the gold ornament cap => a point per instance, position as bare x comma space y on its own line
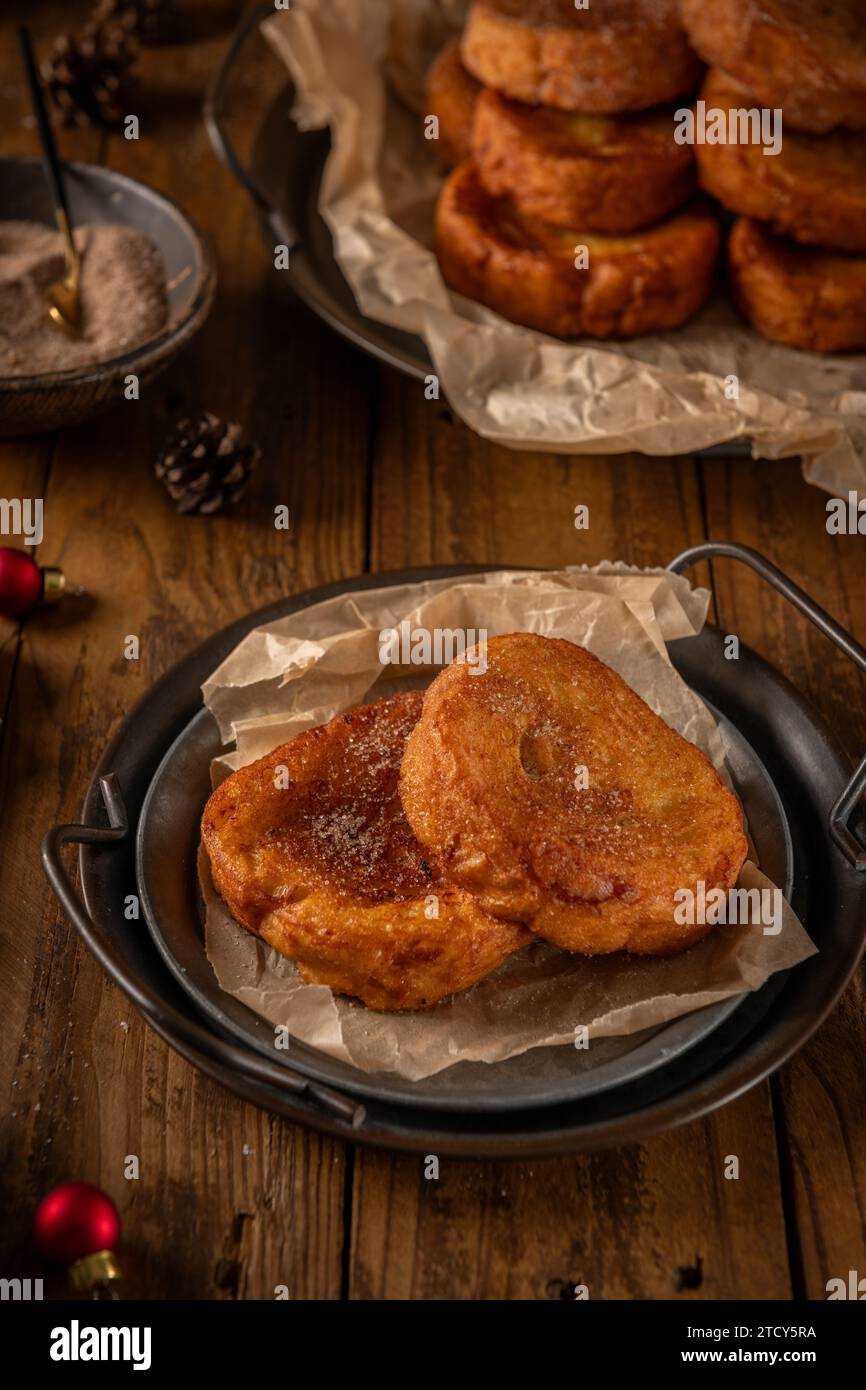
99, 1268
53, 587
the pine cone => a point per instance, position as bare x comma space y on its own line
205, 464
148, 21
89, 75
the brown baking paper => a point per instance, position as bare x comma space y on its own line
289, 675
358, 67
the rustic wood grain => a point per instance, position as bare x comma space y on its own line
233, 1202
441, 495
230, 1202
822, 1092
24, 463
23, 470
655, 1220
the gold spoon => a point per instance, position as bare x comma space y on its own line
64, 297
64, 300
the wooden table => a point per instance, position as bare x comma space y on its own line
231, 1201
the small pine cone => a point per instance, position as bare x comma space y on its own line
205, 464
89, 75
148, 21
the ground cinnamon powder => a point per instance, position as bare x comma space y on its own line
123, 296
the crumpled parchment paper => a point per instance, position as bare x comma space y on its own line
358, 66
289, 675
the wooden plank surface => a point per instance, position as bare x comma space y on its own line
822, 1093
230, 1202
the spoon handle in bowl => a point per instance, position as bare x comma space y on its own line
50, 158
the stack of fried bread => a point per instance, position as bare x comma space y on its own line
402, 851
571, 209
797, 251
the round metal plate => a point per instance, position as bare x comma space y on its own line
804, 765
166, 850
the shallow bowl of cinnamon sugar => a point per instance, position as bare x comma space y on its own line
144, 256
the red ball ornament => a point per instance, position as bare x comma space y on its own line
78, 1226
23, 584
75, 1220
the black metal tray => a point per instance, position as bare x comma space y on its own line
283, 182
802, 812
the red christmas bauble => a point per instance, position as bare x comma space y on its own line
75, 1220
20, 582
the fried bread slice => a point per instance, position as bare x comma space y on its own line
609, 174
550, 790
813, 190
569, 283
310, 849
622, 55
451, 94
808, 60
809, 299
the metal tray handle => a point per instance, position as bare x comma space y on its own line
853, 849
192, 1034
219, 137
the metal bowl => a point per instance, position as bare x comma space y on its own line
51, 400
